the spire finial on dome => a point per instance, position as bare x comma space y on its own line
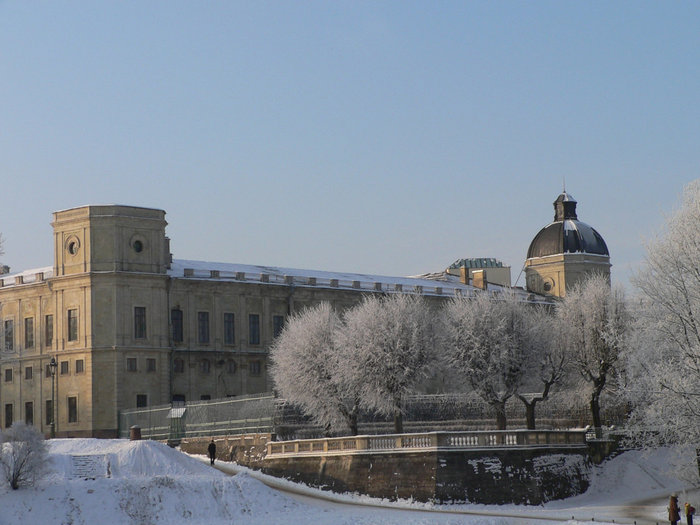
565, 207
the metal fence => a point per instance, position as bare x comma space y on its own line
239, 415
266, 414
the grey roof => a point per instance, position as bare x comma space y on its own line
566, 234
483, 262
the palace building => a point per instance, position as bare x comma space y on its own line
117, 323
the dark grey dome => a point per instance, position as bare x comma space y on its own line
566, 234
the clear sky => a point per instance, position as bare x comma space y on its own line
379, 137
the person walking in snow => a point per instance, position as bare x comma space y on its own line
689, 512
212, 451
674, 512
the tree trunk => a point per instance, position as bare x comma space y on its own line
398, 421
398, 417
352, 423
500, 408
595, 412
530, 414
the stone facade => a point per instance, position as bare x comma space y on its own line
129, 327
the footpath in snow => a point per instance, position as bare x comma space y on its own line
91, 481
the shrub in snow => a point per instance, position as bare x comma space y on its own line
23, 454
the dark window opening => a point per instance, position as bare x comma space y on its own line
72, 409
229, 329
9, 336
139, 322
141, 400
254, 329
29, 332
203, 327
176, 321
72, 325
48, 330
29, 413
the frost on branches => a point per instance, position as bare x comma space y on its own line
485, 339
393, 340
664, 384
310, 370
23, 454
594, 326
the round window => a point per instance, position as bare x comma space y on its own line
138, 246
73, 245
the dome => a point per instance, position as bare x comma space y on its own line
566, 234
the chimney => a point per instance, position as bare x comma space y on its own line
479, 279
464, 274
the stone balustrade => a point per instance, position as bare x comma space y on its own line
507, 439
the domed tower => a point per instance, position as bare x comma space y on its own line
564, 252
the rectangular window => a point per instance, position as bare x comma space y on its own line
204, 397
72, 409
178, 399
29, 413
150, 365
254, 329
277, 325
139, 322
205, 366
73, 325
176, 321
229, 330
49, 411
131, 364
8, 415
28, 332
8, 375
254, 368
79, 366
203, 327
47, 372
9, 335
28, 372
48, 330
64, 368
141, 400
179, 366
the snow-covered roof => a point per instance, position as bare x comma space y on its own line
432, 284
26, 276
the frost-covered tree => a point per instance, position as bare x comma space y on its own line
545, 359
392, 338
484, 338
665, 379
310, 370
594, 324
23, 454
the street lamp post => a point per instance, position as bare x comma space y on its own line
52, 366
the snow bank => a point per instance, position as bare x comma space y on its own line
148, 483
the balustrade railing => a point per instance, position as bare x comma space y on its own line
431, 441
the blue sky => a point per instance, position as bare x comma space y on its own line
379, 137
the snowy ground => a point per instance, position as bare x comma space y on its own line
150, 483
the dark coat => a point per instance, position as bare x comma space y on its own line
674, 513
211, 449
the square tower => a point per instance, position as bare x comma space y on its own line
110, 238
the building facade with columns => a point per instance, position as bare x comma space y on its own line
127, 326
